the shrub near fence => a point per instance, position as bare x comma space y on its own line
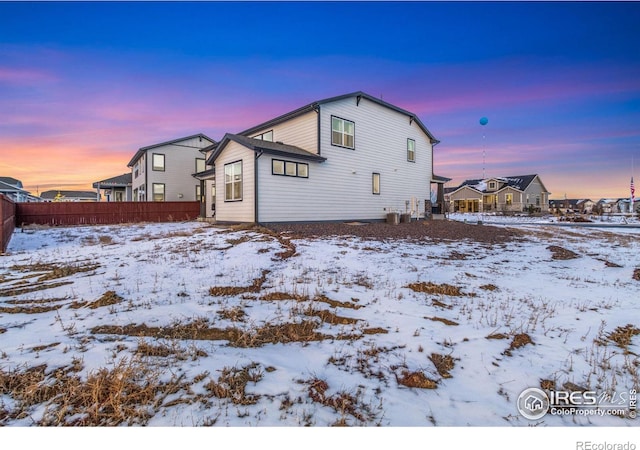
104, 213
7, 221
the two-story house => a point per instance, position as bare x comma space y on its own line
500, 194
164, 172
351, 157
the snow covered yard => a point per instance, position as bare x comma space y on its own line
187, 324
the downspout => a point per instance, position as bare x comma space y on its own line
146, 179
255, 187
317, 110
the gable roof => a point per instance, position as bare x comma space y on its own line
11, 182
272, 148
519, 182
121, 180
68, 194
142, 150
314, 107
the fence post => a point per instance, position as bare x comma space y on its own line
7, 221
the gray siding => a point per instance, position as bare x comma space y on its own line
341, 187
180, 165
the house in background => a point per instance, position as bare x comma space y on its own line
14, 190
69, 196
164, 172
571, 205
115, 189
500, 194
351, 157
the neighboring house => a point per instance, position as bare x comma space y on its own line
582, 206
164, 172
116, 189
607, 206
500, 194
13, 189
351, 157
69, 196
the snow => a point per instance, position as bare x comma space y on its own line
164, 273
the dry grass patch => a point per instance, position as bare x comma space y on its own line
548, 385
255, 287
443, 320
13, 292
622, 335
561, 253
438, 289
128, 393
107, 299
443, 363
416, 380
39, 348
439, 304
636, 275
235, 314
276, 296
329, 317
54, 271
36, 302
33, 309
232, 384
497, 336
343, 402
489, 287
519, 340
336, 303
304, 331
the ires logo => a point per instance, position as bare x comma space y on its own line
535, 403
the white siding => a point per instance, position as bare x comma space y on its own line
300, 131
341, 187
236, 211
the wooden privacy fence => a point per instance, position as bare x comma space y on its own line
7, 221
104, 213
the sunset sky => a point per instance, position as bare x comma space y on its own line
83, 85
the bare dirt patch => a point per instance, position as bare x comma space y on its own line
443, 320
636, 275
255, 287
438, 230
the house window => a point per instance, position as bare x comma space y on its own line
375, 184
198, 193
158, 162
233, 181
289, 168
200, 165
266, 136
508, 199
492, 185
277, 167
342, 132
158, 192
537, 200
411, 150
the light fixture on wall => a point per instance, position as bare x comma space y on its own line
180, 195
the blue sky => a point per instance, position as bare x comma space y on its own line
558, 81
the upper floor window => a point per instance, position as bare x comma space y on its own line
342, 132
233, 181
266, 136
411, 150
200, 165
492, 185
158, 161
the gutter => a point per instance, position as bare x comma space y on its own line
255, 186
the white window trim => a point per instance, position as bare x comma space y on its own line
343, 133
232, 182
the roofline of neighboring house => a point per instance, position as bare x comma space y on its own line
258, 145
314, 107
142, 150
